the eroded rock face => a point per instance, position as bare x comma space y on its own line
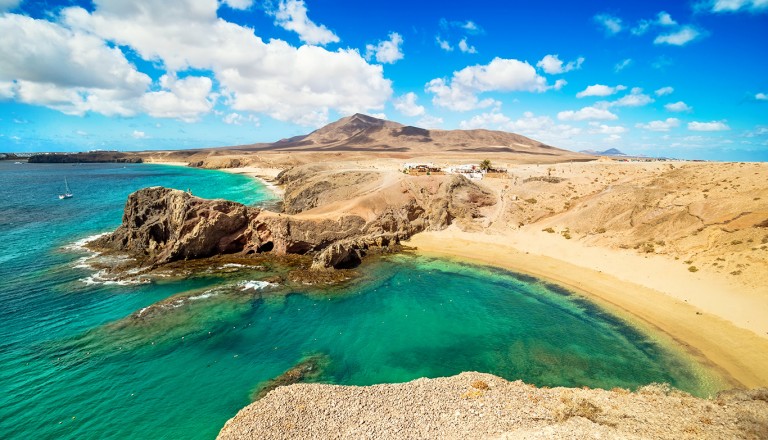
167, 225
161, 225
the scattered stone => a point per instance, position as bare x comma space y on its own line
435, 409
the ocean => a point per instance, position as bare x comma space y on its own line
73, 365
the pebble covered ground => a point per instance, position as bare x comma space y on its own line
477, 405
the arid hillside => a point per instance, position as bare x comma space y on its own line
711, 216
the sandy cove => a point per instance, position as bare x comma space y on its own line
265, 175
704, 325
717, 318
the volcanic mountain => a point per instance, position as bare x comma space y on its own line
609, 152
365, 133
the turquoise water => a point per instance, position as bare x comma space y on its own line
73, 366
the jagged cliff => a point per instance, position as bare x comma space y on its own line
161, 225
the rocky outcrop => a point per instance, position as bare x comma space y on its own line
161, 225
166, 225
475, 405
340, 255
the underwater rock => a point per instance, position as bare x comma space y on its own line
307, 370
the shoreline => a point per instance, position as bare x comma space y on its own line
171, 163
735, 351
739, 355
264, 175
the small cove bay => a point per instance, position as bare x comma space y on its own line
75, 365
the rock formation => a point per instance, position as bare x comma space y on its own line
161, 225
167, 225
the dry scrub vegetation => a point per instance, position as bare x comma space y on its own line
712, 215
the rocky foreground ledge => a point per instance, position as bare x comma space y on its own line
476, 405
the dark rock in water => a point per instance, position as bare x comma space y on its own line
169, 225
307, 370
340, 255
89, 157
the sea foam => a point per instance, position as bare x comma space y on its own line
255, 285
79, 245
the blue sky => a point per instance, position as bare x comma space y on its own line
685, 79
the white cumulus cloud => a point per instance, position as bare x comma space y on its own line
239, 4
406, 105
292, 15
586, 113
444, 44
662, 19
471, 26
553, 65
623, 64
708, 126
7, 90
490, 120
138, 134
636, 98
297, 84
678, 106
665, 125
429, 121
664, 91
600, 90
542, 128
7, 5
387, 51
238, 119
680, 37
761, 97
501, 75
598, 128
612, 25
53, 66
185, 99
465, 47
723, 6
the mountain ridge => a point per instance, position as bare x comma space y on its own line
360, 132
608, 152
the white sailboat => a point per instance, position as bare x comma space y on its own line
67, 193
